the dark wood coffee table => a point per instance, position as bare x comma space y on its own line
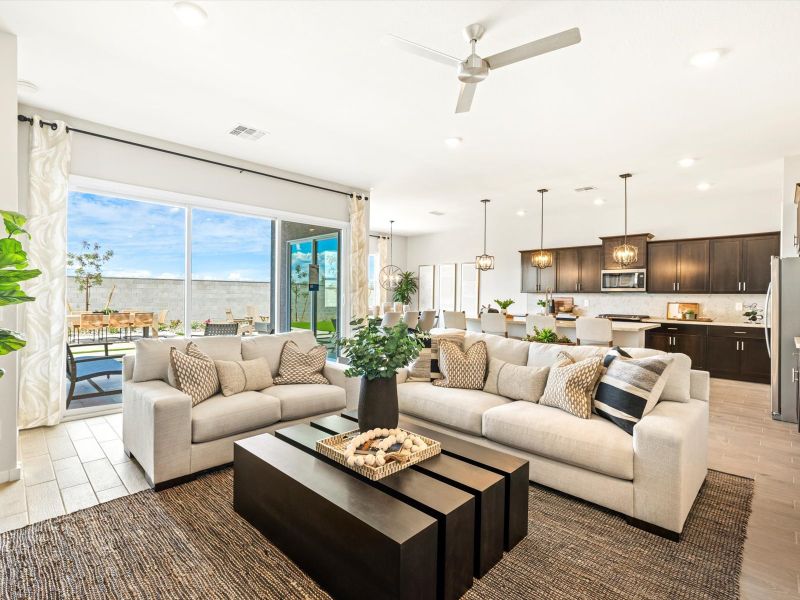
298, 498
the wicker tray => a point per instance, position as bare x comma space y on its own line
334, 447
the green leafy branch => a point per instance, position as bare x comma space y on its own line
377, 352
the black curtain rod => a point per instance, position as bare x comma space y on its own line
54, 126
380, 237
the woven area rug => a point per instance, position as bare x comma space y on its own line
187, 542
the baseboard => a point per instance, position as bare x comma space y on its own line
14, 474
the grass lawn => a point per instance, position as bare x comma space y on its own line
321, 326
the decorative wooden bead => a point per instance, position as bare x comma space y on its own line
351, 460
369, 459
407, 443
380, 461
385, 432
415, 449
359, 461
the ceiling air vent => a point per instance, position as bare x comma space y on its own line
247, 133
436, 213
586, 188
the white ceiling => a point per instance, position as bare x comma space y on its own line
341, 105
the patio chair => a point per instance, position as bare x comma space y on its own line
121, 321
143, 321
89, 368
160, 319
222, 329
245, 323
94, 322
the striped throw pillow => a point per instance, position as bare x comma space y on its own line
426, 366
630, 388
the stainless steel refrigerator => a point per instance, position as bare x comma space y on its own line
782, 323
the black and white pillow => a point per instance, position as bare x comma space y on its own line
630, 388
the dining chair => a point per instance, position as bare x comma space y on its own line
386, 307
94, 322
454, 319
427, 320
592, 331
221, 329
122, 322
411, 317
494, 323
398, 307
539, 322
143, 321
391, 318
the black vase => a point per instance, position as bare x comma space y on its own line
377, 403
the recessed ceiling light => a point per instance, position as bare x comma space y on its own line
686, 162
599, 201
703, 186
26, 87
453, 142
190, 14
707, 58
520, 213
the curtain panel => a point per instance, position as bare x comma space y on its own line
42, 361
359, 252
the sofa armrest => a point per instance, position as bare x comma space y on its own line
402, 375
699, 385
334, 372
128, 361
670, 462
157, 428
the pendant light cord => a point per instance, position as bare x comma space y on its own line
625, 180
391, 242
541, 228
484, 225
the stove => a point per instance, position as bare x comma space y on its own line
632, 318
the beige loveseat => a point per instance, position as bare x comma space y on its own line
170, 439
651, 477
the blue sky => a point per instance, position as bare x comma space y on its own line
148, 239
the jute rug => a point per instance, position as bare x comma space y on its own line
187, 542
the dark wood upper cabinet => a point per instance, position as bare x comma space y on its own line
693, 261
756, 255
662, 267
797, 223
536, 280
725, 265
568, 271
638, 240
591, 263
547, 277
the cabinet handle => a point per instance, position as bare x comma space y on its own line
737, 345
678, 286
673, 286
739, 286
744, 286
672, 329
740, 332
741, 346
795, 375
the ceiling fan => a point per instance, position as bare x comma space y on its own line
474, 69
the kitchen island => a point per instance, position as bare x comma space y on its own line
625, 333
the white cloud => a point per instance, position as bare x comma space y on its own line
234, 276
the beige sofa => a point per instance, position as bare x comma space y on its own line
170, 439
651, 477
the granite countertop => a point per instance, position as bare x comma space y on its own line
717, 323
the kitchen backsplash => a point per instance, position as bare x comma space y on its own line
719, 307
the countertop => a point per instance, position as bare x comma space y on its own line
565, 324
717, 323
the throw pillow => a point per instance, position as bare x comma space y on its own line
630, 388
515, 381
301, 367
464, 370
243, 375
426, 366
195, 374
570, 384
615, 352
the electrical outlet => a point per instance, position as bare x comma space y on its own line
585, 302
739, 307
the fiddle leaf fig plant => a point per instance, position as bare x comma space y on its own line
377, 352
13, 270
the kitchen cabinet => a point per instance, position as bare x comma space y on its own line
638, 240
591, 263
578, 269
738, 353
678, 266
536, 280
686, 339
741, 264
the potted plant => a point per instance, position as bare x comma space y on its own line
374, 354
548, 336
13, 269
504, 304
406, 288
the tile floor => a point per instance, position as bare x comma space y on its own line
66, 468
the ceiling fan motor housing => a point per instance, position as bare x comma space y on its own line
473, 70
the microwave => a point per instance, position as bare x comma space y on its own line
623, 280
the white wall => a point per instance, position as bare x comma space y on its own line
8, 201
791, 177
399, 249
506, 236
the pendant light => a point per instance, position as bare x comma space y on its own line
626, 254
542, 259
389, 276
484, 262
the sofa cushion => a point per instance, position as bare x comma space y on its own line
677, 388
152, 355
237, 376
221, 416
271, 346
507, 349
459, 409
307, 399
594, 443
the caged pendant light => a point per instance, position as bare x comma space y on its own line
389, 276
484, 262
542, 259
626, 254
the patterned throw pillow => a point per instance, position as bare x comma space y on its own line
570, 384
426, 366
464, 370
195, 373
630, 388
301, 367
243, 375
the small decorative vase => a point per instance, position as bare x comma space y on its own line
377, 404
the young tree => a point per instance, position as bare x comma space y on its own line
299, 286
88, 266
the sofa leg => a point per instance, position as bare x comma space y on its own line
654, 529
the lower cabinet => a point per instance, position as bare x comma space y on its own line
726, 352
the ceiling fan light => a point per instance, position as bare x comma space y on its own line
542, 259
625, 255
484, 262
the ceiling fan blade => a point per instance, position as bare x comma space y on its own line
423, 51
465, 97
531, 49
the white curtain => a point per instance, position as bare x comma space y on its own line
359, 251
42, 361
383, 254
